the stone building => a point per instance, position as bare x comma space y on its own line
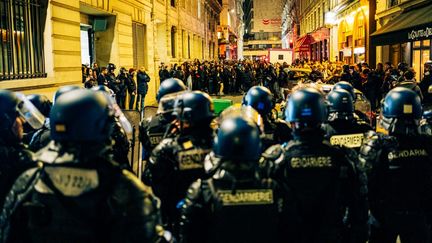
45, 42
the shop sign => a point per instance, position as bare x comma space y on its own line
424, 33
347, 52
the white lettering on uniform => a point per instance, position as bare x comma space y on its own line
407, 154
70, 181
311, 162
246, 197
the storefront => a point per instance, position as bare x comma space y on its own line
406, 38
320, 44
302, 48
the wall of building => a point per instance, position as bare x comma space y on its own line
115, 45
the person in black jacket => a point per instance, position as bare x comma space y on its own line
131, 87
142, 80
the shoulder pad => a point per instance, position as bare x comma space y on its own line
273, 153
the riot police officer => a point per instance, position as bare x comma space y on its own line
321, 179
399, 171
15, 110
178, 161
341, 127
76, 193
275, 131
153, 129
119, 140
235, 204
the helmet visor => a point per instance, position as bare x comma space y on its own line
118, 113
29, 112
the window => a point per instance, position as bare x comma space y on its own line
393, 3
280, 57
173, 41
173, 3
139, 45
199, 8
21, 39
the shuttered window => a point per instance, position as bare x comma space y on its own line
139, 45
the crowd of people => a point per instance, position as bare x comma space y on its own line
319, 174
127, 83
236, 77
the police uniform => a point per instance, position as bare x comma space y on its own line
65, 200
325, 184
399, 172
76, 193
152, 131
216, 210
178, 161
174, 164
235, 204
329, 193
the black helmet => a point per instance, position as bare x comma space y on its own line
346, 86
111, 67
340, 104
63, 90
13, 105
42, 103
169, 86
402, 66
194, 107
81, 116
259, 98
402, 103
238, 139
401, 111
307, 107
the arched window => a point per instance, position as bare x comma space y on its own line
342, 34
360, 29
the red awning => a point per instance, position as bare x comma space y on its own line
303, 43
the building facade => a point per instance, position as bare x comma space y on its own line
230, 29
262, 21
404, 33
335, 30
45, 42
